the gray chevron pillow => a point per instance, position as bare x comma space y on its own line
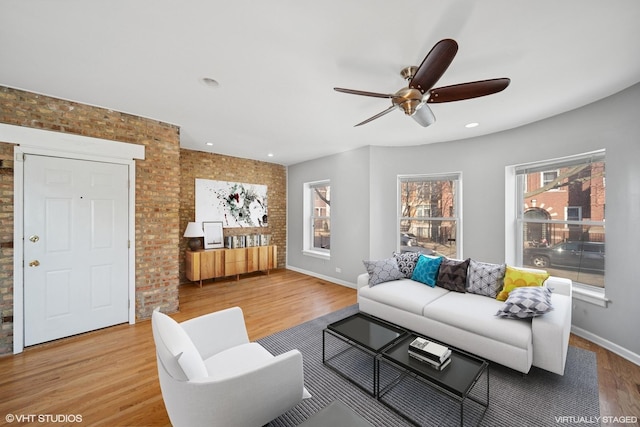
526, 302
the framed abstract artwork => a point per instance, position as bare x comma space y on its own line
235, 204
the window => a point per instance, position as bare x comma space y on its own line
549, 177
561, 221
317, 221
428, 215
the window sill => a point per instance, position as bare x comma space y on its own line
591, 296
317, 254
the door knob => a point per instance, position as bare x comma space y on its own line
34, 263
34, 238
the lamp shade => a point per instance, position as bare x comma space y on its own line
194, 229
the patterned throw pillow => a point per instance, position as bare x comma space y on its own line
383, 271
526, 302
485, 278
407, 262
517, 278
452, 274
426, 270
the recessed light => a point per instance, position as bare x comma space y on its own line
209, 144
471, 125
210, 82
270, 155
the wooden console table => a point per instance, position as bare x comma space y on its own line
211, 263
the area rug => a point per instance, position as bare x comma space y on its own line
539, 398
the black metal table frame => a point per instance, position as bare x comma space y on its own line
417, 375
355, 344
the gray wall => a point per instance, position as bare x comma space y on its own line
612, 123
349, 176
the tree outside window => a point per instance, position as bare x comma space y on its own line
428, 220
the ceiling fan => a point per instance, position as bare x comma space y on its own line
414, 98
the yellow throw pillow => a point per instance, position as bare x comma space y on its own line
517, 278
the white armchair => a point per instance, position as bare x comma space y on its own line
210, 374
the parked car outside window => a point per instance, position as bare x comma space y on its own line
582, 255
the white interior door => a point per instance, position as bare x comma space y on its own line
75, 246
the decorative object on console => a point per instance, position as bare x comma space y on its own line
194, 232
213, 237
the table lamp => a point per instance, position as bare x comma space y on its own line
194, 232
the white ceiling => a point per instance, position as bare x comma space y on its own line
278, 61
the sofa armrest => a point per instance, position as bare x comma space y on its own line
560, 285
550, 335
363, 280
217, 331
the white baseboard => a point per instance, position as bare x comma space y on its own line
604, 343
323, 277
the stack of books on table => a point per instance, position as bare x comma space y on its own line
436, 355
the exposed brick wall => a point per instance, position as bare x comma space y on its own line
6, 250
197, 164
158, 226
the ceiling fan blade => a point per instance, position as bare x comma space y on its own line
468, 90
388, 110
424, 116
363, 93
434, 65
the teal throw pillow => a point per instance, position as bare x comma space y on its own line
426, 270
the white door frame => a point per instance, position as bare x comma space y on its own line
56, 144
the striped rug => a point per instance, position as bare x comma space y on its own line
537, 399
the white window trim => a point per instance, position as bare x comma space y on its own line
307, 229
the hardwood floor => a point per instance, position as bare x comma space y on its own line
109, 377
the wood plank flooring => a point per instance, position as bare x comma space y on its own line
109, 377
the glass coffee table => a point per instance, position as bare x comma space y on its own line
460, 381
360, 338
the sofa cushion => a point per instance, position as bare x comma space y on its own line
404, 294
452, 274
526, 302
476, 314
485, 278
175, 349
406, 262
520, 277
426, 270
383, 271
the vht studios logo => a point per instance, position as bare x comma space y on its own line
43, 418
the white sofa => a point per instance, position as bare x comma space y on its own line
468, 321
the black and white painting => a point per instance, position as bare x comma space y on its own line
234, 204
